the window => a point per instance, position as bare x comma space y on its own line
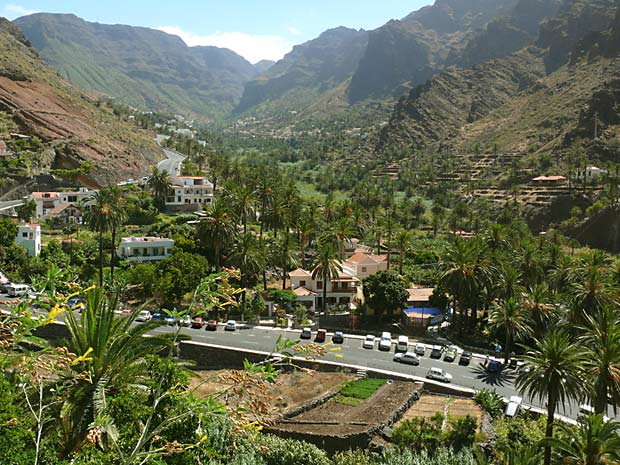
25, 235
364, 270
302, 283
319, 284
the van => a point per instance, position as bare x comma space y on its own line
18, 290
402, 345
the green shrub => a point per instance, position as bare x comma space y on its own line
490, 402
419, 433
277, 451
461, 432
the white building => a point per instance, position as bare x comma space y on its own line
345, 290
29, 235
139, 249
190, 192
48, 201
591, 172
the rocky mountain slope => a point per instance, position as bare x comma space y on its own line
532, 101
72, 126
387, 62
309, 70
143, 67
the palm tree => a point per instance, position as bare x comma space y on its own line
241, 199
284, 255
596, 442
160, 184
540, 312
556, 375
601, 342
509, 316
217, 229
465, 273
402, 242
342, 231
97, 218
112, 352
327, 269
117, 217
247, 255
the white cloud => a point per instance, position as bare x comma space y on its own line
15, 11
252, 47
293, 31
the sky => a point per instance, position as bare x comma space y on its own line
255, 29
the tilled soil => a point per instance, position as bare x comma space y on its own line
334, 418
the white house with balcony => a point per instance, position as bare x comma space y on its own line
340, 291
46, 202
141, 249
190, 192
29, 235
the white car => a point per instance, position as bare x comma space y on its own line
369, 342
306, 333
439, 375
420, 349
231, 325
385, 343
513, 406
186, 321
408, 357
144, 316
402, 345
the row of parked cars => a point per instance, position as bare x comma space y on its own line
186, 321
321, 335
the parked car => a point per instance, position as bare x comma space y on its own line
231, 325
439, 375
144, 316
409, 358
420, 349
306, 333
4, 287
450, 355
198, 322
437, 351
494, 366
185, 321
18, 290
157, 316
212, 325
385, 343
402, 344
338, 337
465, 358
369, 342
321, 334
170, 320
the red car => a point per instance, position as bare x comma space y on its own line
198, 323
211, 325
320, 335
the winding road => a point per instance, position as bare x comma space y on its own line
172, 164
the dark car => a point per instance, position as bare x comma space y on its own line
211, 325
321, 334
198, 323
338, 337
159, 317
437, 352
465, 358
493, 366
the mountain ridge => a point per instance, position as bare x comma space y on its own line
144, 67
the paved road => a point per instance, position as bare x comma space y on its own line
172, 164
351, 352
10, 204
